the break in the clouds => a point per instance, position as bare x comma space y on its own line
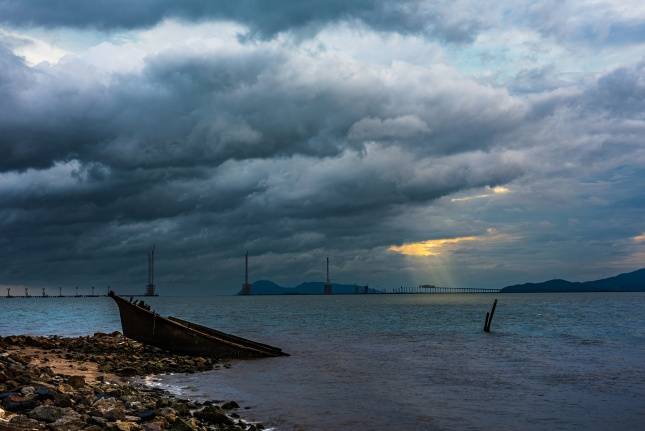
444, 142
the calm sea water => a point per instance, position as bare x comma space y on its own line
405, 362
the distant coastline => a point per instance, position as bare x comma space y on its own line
628, 282
268, 287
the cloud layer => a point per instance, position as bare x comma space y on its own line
339, 142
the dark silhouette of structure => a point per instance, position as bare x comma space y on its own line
489, 317
27, 295
9, 292
44, 294
327, 289
150, 287
246, 287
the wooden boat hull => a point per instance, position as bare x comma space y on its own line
180, 336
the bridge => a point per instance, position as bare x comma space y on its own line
428, 289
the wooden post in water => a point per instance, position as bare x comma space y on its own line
489, 317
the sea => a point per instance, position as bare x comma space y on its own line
566, 361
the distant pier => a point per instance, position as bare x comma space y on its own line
91, 292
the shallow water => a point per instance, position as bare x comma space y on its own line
405, 362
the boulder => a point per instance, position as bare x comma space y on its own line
76, 381
230, 405
62, 400
146, 415
109, 408
154, 426
28, 390
23, 422
65, 388
127, 426
47, 413
183, 425
213, 415
69, 422
168, 413
18, 403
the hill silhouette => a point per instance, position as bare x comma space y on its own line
268, 287
628, 282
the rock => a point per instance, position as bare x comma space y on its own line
167, 412
47, 413
2, 414
183, 425
19, 422
128, 371
127, 426
76, 381
62, 400
98, 420
47, 392
146, 415
65, 388
230, 405
71, 422
154, 426
213, 415
109, 408
181, 408
28, 390
18, 403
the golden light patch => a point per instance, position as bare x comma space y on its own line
640, 238
497, 190
431, 247
500, 190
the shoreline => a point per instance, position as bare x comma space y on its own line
87, 383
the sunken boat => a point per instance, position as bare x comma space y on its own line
176, 335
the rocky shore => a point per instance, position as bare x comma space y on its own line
86, 383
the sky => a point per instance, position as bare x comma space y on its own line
465, 143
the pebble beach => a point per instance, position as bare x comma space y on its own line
92, 383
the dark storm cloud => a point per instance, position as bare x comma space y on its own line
210, 154
265, 18
188, 111
207, 155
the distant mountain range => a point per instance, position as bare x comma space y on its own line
629, 282
267, 287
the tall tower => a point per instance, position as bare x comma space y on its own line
327, 289
150, 287
8, 292
246, 287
